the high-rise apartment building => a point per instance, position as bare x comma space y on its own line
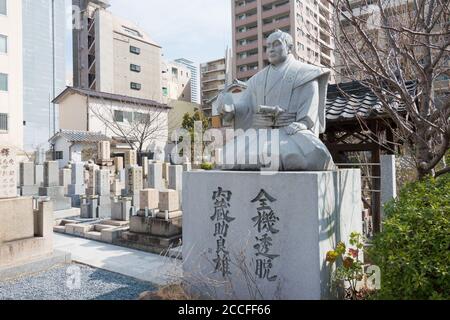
113, 55
11, 73
195, 79
32, 70
307, 21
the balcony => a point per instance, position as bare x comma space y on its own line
280, 24
247, 60
276, 11
246, 8
215, 68
247, 47
247, 20
220, 77
249, 33
246, 74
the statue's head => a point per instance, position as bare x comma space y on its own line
279, 45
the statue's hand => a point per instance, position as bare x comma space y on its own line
295, 127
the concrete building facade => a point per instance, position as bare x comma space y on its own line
307, 21
114, 55
11, 74
176, 82
44, 68
195, 79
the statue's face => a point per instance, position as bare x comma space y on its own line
277, 51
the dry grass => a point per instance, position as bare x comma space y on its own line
169, 292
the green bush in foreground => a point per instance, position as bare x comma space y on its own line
413, 251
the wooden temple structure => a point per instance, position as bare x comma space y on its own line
358, 133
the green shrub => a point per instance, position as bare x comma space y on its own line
207, 166
413, 251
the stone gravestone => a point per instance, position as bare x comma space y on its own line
103, 190
8, 174
65, 178
39, 159
176, 179
130, 158
77, 187
134, 184
104, 151
154, 178
52, 188
118, 164
27, 183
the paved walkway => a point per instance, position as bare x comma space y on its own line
137, 264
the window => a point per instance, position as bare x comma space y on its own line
3, 9
3, 122
118, 116
135, 68
3, 44
59, 155
135, 86
165, 92
135, 50
128, 116
3, 82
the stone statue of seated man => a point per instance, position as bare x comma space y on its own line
287, 96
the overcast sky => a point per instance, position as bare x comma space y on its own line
199, 30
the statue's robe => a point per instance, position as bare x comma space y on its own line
301, 90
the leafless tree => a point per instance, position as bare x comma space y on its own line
386, 44
138, 125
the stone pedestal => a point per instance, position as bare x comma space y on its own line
273, 229
121, 209
25, 234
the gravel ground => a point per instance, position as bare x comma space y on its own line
60, 283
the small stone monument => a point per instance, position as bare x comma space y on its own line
77, 187
28, 186
8, 175
52, 188
130, 158
134, 184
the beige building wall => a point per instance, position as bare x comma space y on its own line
306, 21
73, 113
11, 64
112, 65
179, 109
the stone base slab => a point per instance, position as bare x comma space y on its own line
274, 229
34, 266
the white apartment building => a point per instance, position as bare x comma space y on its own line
11, 74
176, 81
